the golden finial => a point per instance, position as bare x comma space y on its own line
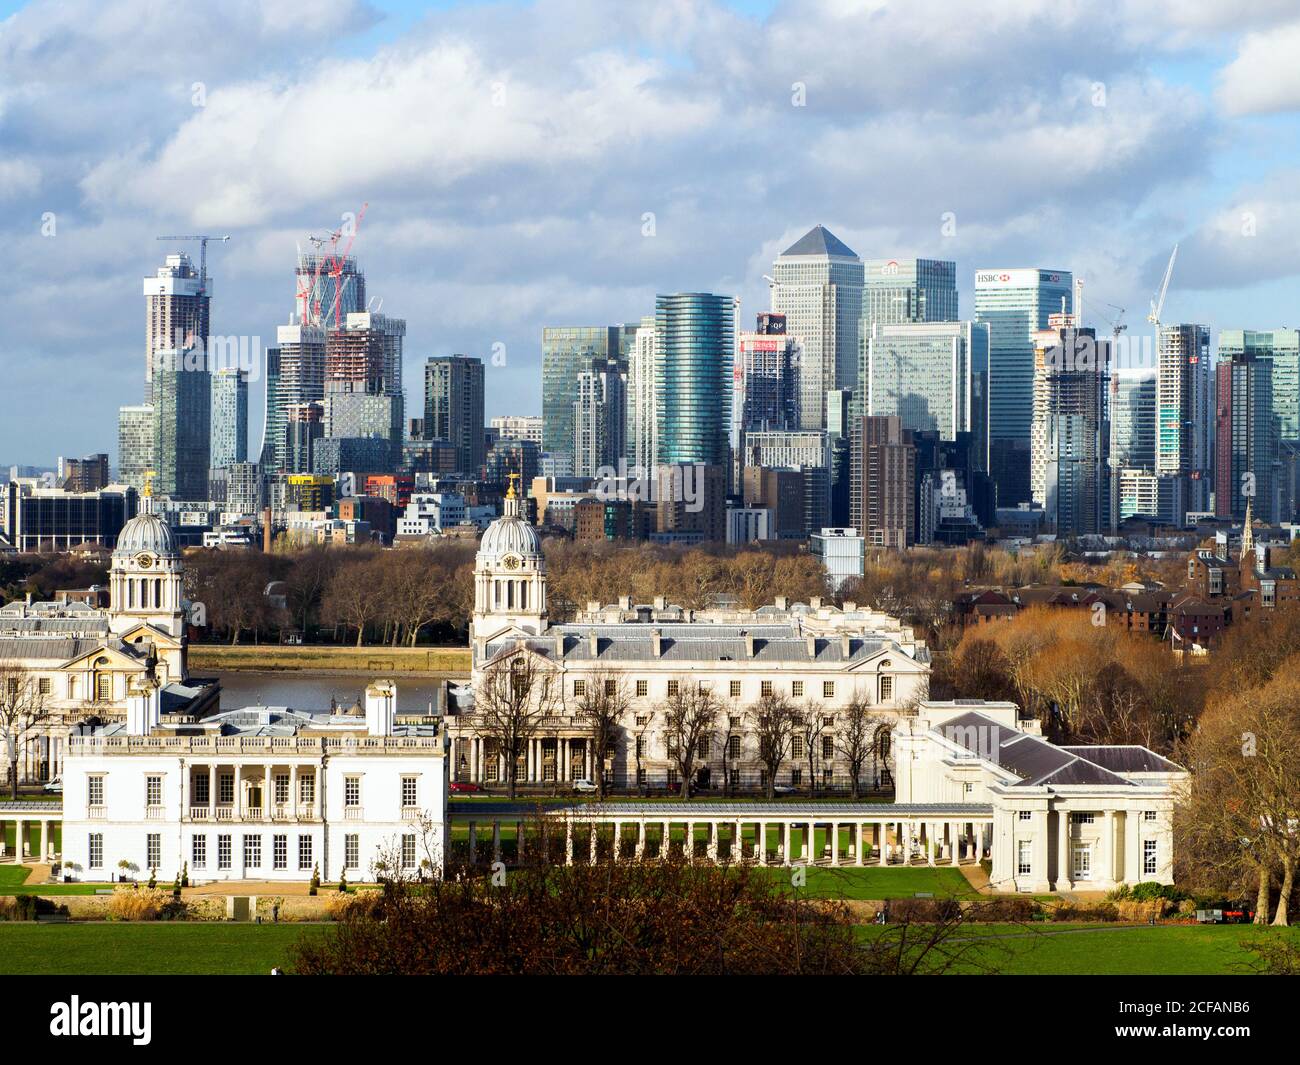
148, 484
512, 477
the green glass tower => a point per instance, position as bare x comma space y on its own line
695, 350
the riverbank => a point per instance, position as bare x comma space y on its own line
375, 661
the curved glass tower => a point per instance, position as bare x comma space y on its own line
695, 339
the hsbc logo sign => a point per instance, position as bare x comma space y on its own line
992, 279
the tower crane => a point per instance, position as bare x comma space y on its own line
1158, 304
203, 239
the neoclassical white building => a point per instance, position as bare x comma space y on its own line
820, 656
82, 661
262, 793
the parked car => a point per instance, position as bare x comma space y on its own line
782, 789
464, 787
54, 785
584, 785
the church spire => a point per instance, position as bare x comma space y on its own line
1248, 533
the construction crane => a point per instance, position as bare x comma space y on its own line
203, 239
1158, 304
331, 263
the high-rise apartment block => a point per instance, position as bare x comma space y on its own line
1246, 438
887, 514
694, 356
229, 432
453, 408
1184, 418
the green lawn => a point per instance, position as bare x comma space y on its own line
125, 949
897, 883
14, 881
33, 837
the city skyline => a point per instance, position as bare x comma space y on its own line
1203, 147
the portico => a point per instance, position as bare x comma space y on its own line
34, 830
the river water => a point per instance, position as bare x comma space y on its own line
313, 691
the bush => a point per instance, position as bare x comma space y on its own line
1149, 889
1142, 909
343, 884
924, 911
314, 887
140, 904
1003, 910
1102, 911
28, 908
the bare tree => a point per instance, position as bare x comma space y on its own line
643, 723
354, 597
515, 695
855, 733
603, 704
811, 727
22, 709
690, 715
774, 721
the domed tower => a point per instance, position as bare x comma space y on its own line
509, 575
146, 576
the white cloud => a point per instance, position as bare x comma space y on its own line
1265, 76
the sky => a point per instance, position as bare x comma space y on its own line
560, 162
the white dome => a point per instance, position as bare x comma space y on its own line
510, 535
146, 533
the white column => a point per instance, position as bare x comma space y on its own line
1133, 872
1064, 873
640, 838
212, 792
835, 842
568, 842
595, 831
45, 839
761, 843
20, 840
1108, 838
882, 839
666, 845
266, 792
237, 811
473, 842
738, 843
714, 832
861, 827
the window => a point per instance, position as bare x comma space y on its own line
307, 789
642, 720
733, 747
829, 721
1083, 862
409, 791
352, 791
153, 791
796, 777
351, 852
765, 688
674, 777
642, 688
968, 788
202, 792
95, 791
672, 687
153, 850
702, 747
579, 687
796, 688
611, 687
1148, 857
1025, 858
796, 746
828, 689
408, 852
226, 788
95, 851
886, 689
252, 852
1026, 815
199, 852
734, 689
104, 687
281, 789
280, 852
1148, 815
304, 852
223, 852
43, 686
828, 746
1082, 817
640, 746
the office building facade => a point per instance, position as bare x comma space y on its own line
453, 408
695, 353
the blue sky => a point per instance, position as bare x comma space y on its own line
493, 213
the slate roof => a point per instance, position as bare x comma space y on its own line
820, 241
1037, 762
696, 642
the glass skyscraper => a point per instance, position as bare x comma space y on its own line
695, 350
568, 351
1015, 305
229, 417
1282, 348
1133, 419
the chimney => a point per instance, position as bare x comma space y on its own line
381, 708
815, 602
593, 607
660, 602
749, 644
559, 645
782, 603
850, 607
846, 648
143, 709
657, 638
812, 645
593, 643
625, 602
266, 530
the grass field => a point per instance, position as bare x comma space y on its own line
14, 881
232, 949
124, 949
455, 660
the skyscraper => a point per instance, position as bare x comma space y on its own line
1184, 418
134, 445
897, 291
182, 407
1282, 348
271, 452
1015, 305
178, 306
363, 380
767, 376
229, 440
817, 284
887, 513
328, 290
599, 419
694, 355
642, 426
1069, 435
1246, 438
566, 352
453, 408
